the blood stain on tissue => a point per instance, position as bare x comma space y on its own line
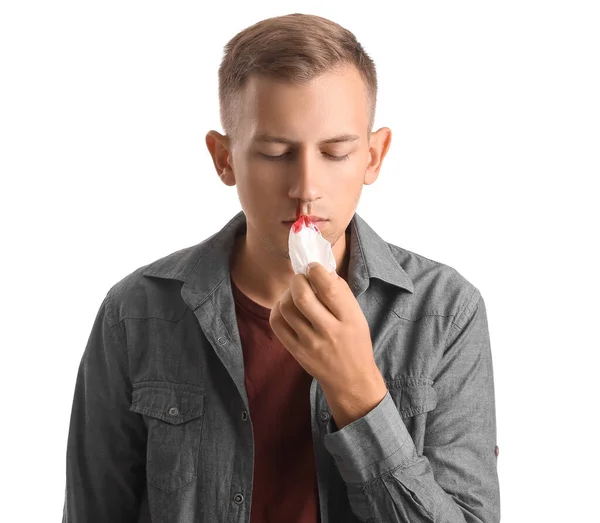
306, 221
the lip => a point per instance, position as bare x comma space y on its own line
315, 219
318, 223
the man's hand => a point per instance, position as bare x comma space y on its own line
327, 333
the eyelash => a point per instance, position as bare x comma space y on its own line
282, 156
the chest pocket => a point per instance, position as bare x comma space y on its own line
414, 398
174, 415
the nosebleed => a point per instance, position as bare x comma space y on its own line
307, 245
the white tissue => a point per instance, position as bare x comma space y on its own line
307, 246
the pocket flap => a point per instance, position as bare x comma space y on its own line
413, 396
416, 399
171, 402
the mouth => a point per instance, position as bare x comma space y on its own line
314, 219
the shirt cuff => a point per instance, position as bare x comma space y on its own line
372, 445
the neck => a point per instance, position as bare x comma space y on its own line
264, 277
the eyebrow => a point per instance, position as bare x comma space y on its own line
267, 138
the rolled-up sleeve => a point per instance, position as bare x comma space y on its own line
105, 462
455, 480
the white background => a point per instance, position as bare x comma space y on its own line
494, 109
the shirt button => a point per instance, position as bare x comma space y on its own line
222, 340
245, 416
173, 411
324, 416
238, 498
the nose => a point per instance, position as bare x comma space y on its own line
306, 182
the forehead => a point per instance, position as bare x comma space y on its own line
331, 108
263, 137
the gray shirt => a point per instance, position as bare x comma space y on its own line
160, 428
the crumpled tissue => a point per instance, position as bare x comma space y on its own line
307, 245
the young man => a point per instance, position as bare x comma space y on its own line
217, 385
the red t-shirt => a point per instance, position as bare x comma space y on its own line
285, 477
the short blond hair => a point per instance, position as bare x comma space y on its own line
295, 48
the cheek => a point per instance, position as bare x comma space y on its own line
261, 200
262, 184
349, 184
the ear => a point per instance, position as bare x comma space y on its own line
219, 148
378, 147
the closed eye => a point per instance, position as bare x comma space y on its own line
283, 156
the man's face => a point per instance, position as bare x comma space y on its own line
277, 180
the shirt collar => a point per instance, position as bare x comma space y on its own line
204, 266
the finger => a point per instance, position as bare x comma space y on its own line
295, 318
331, 291
309, 305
